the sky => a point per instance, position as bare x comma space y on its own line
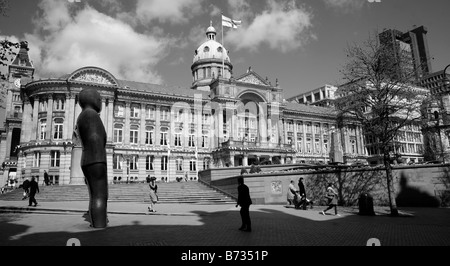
301, 43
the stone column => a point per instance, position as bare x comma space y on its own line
158, 131
26, 120
8, 143
103, 111
69, 116
126, 128
110, 119
49, 118
142, 129
34, 134
220, 127
245, 160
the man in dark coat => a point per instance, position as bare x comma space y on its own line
46, 179
92, 134
26, 188
244, 201
33, 189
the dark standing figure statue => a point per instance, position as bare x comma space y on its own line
93, 158
34, 187
244, 201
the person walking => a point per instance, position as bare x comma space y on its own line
153, 194
302, 191
244, 201
291, 193
46, 179
331, 195
34, 187
26, 188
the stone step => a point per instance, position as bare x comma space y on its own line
183, 192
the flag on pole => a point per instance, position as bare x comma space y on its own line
230, 23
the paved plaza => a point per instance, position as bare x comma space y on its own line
54, 223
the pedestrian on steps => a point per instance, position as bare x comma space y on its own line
153, 194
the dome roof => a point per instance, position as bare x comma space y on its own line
211, 49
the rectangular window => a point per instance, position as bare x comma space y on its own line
55, 158
178, 139
164, 115
149, 137
134, 163
317, 146
300, 127
300, 145
164, 163
43, 129
134, 134
179, 164
193, 165
191, 140
117, 162
134, 111
58, 128
163, 138
150, 112
36, 159
205, 141
119, 110
149, 163
118, 134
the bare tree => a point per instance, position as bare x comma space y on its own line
378, 92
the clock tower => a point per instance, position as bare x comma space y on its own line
20, 72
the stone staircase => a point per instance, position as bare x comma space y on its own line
180, 192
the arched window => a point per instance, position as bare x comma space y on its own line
149, 135
42, 129
58, 128
134, 134
178, 135
163, 133
193, 165
206, 49
191, 138
118, 133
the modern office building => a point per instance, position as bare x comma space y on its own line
410, 49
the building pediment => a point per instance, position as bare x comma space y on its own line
93, 75
252, 78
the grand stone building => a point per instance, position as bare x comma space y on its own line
168, 132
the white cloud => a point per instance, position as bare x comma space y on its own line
171, 11
90, 38
345, 6
281, 26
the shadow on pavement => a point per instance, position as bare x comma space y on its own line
270, 228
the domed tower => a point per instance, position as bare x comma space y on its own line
211, 60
